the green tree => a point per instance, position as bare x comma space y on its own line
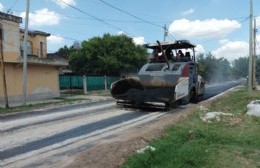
214, 69
65, 51
108, 55
240, 67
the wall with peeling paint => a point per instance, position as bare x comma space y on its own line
11, 41
42, 82
42, 72
36, 38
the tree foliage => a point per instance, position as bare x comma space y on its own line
240, 67
218, 70
108, 55
65, 51
214, 69
115, 55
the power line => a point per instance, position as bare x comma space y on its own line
90, 18
223, 28
115, 20
69, 38
10, 9
65, 37
130, 21
19, 46
206, 34
96, 18
172, 37
121, 10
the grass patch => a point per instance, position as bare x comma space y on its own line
232, 142
22, 108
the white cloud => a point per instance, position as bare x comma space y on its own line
258, 45
121, 33
55, 39
258, 22
63, 3
1, 7
203, 28
199, 49
43, 17
231, 49
138, 40
188, 12
223, 41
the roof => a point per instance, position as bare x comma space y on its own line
178, 44
36, 32
10, 17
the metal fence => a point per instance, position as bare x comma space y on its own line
92, 82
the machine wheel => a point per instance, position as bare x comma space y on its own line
185, 100
167, 106
171, 104
196, 98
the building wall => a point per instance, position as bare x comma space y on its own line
11, 40
35, 42
42, 82
42, 76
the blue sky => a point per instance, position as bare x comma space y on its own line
217, 26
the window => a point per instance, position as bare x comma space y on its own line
41, 49
1, 33
155, 67
176, 67
1, 41
29, 47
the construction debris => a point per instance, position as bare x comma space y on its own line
253, 108
203, 108
141, 151
210, 116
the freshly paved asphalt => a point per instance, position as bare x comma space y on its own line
211, 91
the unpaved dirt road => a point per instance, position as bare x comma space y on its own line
97, 134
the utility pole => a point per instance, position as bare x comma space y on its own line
250, 49
254, 56
25, 52
3, 69
165, 33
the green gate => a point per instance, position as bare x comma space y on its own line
70, 82
64, 82
93, 82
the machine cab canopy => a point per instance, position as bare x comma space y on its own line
176, 45
172, 51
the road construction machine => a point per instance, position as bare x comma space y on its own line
169, 78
